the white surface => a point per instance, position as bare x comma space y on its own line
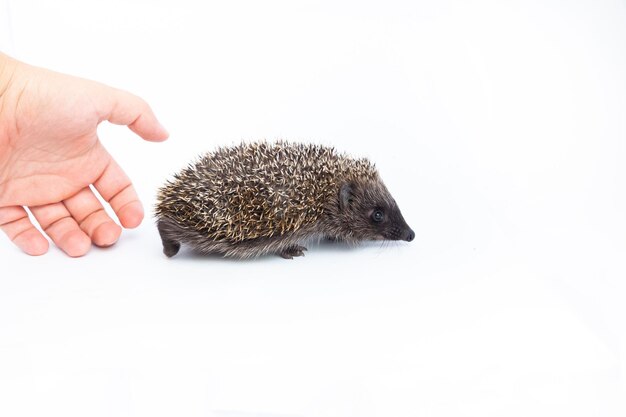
498, 126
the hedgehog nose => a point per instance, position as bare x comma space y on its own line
410, 236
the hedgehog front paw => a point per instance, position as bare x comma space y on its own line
291, 251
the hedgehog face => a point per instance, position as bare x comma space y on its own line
368, 212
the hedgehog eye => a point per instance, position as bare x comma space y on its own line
378, 216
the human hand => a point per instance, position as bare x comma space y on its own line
50, 154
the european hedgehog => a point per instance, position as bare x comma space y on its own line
261, 198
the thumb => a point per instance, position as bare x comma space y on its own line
132, 111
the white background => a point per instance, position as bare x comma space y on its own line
499, 127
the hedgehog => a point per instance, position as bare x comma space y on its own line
262, 198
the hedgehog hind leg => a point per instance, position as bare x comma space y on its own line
171, 246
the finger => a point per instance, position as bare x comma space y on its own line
15, 223
92, 219
132, 111
117, 190
58, 223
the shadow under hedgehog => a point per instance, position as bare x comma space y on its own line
260, 198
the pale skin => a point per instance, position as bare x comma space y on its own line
50, 155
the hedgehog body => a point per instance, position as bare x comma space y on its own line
258, 198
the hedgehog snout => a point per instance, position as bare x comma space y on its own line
402, 232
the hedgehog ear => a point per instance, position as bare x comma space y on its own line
346, 194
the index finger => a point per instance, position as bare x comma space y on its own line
117, 190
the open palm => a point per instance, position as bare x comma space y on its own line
50, 155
